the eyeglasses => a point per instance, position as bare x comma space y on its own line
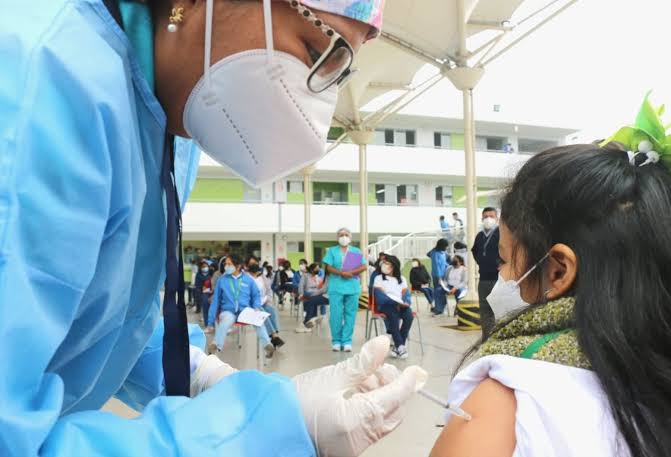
334, 65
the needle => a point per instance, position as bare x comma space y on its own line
453, 409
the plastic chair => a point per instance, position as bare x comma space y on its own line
377, 317
242, 330
416, 294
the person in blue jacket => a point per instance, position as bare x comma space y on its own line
235, 291
91, 94
439, 264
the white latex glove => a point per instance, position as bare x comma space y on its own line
206, 371
351, 405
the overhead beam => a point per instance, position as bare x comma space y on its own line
530, 31
413, 50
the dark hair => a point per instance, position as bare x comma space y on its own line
489, 209
459, 245
303, 261
312, 267
442, 218
250, 258
269, 271
458, 258
235, 259
287, 265
616, 218
442, 245
396, 264
455, 214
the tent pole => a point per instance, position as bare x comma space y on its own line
471, 186
363, 137
363, 206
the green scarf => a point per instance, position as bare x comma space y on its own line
544, 333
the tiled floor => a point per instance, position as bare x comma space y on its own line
443, 349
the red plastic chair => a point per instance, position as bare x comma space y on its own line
377, 317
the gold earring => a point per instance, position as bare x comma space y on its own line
176, 17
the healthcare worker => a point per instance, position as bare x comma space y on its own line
91, 93
344, 288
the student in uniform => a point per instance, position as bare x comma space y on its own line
392, 298
312, 292
235, 291
420, 280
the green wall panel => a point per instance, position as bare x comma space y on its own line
457, 142
217, 190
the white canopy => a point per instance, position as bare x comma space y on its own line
459, 38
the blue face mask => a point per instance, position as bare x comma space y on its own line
229, 270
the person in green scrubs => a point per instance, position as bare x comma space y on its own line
344, 289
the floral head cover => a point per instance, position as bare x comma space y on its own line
367, 11
647, 136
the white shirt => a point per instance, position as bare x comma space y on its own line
391, 287
561, 411
261, 284
455, 277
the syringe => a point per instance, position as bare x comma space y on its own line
445, 404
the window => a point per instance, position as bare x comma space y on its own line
356, 188
495, 144
530, 145
444, 196
441, 140
410, 139
295, 187
389, 137
385, 194
407, 194
330, 192
251, 194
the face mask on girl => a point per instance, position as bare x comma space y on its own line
506, 296
387, 269
229, 270
205, 270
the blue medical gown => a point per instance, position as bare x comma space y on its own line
82, 250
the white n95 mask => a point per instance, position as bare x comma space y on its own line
253, 111
506, 296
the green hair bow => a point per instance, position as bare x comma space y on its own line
647, 135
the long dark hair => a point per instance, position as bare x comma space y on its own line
396, 267
441, 245
617, 219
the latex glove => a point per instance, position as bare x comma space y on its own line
351, 405
206, 371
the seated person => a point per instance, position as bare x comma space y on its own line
311, 291
283, 282
420, 280
272, 323
302, 269
457, 278
235, 291
393, 300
